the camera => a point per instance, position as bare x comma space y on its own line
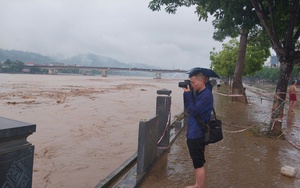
184, 84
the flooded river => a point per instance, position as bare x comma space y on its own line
87, 126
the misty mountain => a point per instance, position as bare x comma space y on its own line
101, 61
94, 61
83, 59
15, 55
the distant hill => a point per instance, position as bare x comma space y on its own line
94, 60
14, 55
83, 59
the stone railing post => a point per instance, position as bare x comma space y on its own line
163, 111
16, 154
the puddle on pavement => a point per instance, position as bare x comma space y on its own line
242, 159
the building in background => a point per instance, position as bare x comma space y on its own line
274, 61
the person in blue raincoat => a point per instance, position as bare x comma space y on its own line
198, 100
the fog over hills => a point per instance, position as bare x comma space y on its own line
93, 61
14, 55
82, 59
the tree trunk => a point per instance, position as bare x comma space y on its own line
288, 57
285, 71
237, 85
228, 81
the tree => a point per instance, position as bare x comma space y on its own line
281, 20
223, 62
12, 67
17, 66
232, 19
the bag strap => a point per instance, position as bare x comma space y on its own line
200, 122
215, 114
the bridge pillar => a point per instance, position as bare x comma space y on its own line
104, 73
52, 71
158, 75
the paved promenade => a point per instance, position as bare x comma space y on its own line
243, 159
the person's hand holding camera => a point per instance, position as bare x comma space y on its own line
187, 89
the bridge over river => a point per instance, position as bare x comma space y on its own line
54, 69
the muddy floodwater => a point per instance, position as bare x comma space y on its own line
87, 126
243, 159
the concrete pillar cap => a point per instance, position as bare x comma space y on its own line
164, 92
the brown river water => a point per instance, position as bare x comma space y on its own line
87, 126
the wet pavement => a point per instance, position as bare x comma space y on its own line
243, 159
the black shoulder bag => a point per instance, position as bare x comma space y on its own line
213, 129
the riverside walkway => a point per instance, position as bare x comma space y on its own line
243, 159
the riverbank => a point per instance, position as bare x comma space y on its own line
243, 158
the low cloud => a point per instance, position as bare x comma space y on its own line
124, 30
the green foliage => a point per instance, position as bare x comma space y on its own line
9, 66
171, 5
231, 17
257, 53
296, 72
17, 66
266, 74
224, 62
281, 20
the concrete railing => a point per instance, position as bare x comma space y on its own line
16, 154
147, 144
154, 138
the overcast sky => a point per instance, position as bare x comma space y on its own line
126, 30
